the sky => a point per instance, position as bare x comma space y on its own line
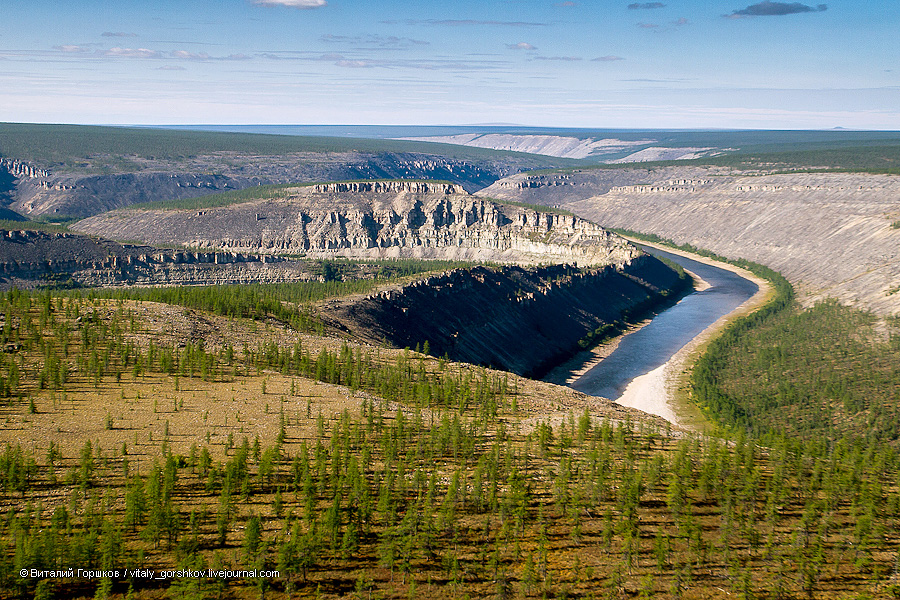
549, 63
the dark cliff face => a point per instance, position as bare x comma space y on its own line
7, 186
517, 319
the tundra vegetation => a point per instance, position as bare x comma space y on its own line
142, 435
103, 150
262, 192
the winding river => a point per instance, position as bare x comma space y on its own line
635, 367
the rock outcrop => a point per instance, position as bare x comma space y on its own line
524, 320
22, 170
395, 219
548, 145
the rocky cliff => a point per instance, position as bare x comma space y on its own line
374, 220
555, 188
832, 234
524, 320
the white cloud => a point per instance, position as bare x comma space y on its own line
355, 64
292, 3
608, 58
71, 48
133, 52
521, 46
185, 55
463, 22
560, 58
374, 41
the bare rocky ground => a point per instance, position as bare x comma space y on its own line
831, 234
30, 259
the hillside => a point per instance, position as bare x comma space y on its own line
161, 438
832, 234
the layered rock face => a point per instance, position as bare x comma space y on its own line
80, 197
395, 219
34, 258
558, 188
832, 234
513, 318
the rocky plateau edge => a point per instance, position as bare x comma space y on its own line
30, 259
33, 190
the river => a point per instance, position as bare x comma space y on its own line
633, 373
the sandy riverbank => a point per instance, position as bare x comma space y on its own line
664, 390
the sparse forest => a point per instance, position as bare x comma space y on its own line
436, 478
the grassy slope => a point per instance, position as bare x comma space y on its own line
820, 372
274, 191
229, 198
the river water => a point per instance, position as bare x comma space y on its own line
649, 348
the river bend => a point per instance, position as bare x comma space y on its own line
652, 346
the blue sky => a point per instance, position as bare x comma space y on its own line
575, 63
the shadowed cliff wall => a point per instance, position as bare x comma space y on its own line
524, 320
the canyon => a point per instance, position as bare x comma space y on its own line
563, 280
523, 320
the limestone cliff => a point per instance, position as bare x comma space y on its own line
374, 220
